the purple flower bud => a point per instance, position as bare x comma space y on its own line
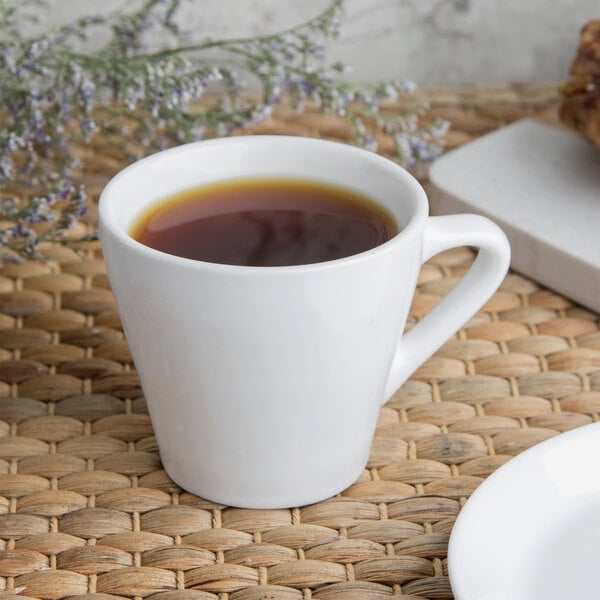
7, 168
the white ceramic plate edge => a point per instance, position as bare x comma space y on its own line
509, 514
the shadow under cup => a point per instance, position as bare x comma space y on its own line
263, 383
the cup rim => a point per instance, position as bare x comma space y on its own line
108, 222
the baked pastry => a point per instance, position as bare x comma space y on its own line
580, 107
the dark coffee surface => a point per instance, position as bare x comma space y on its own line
265, 222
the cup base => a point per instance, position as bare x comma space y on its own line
273, 500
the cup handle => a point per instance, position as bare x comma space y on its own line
463, 301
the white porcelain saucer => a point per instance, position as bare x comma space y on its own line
531, 531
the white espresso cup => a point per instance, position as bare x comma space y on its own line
264, 384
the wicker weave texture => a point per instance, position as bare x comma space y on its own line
87, 511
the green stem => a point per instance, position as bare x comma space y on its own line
209, 44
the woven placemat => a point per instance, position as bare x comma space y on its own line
87, 511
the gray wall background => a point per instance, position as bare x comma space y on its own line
432, 42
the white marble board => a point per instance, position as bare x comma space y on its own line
541, 184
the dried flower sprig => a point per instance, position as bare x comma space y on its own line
53, 95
